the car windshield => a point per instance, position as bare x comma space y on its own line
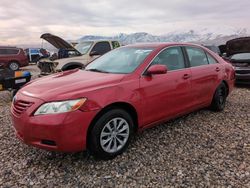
83, 47
242, 56
121, 61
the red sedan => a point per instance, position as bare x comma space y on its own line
126, 90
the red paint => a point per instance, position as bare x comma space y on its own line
155, 98
20, 58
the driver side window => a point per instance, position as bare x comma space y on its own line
171, 57
101, 48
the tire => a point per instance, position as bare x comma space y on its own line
14, 66
219, 98
114, 126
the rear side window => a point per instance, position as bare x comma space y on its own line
115, 44
2, 51
101, 47
211, 60
196, 56
171, 57
8, 51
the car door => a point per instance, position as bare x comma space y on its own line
204, 75
166, 95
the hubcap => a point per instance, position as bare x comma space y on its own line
13, 66
114, 135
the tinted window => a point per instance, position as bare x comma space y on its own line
2, 51
8, 51
101, 47
196, 56
171, 57
211, 60
115, 44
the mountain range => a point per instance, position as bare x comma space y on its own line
203, 36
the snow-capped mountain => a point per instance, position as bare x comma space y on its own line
204, 36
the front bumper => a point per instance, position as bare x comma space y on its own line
47, 67
65, 132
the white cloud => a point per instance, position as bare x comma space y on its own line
24, 21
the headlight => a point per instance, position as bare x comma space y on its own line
60, 107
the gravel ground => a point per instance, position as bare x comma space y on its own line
202, 149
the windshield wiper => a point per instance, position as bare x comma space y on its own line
96, 70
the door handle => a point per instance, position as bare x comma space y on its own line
186, 76
217, 69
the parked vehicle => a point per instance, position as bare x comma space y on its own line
214, 48
13, 80
238, 54
124, 91
36, 54
12, 58
70, 57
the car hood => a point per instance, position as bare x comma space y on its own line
69, 84
238, 45
58, 42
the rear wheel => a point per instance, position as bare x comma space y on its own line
111, 134
219, 99
14, 66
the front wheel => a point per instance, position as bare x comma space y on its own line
14, 66
111, 134
219, 98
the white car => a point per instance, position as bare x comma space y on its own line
70, 57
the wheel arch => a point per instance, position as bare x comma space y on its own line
13, 60
117, 105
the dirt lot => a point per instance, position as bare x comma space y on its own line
201, 149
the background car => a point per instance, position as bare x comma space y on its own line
12, 57
36, 54
214, 48
128, 89
237, 52
70, 57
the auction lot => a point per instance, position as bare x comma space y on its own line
201, 149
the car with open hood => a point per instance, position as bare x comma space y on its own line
237, 52
71, 57
124, 91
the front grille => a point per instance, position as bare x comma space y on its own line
20, 106
47, 67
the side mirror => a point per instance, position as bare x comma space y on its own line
93, 53
157, 69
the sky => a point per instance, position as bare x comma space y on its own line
23, 22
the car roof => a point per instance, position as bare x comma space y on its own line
161, 44
8, 47
98, 40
